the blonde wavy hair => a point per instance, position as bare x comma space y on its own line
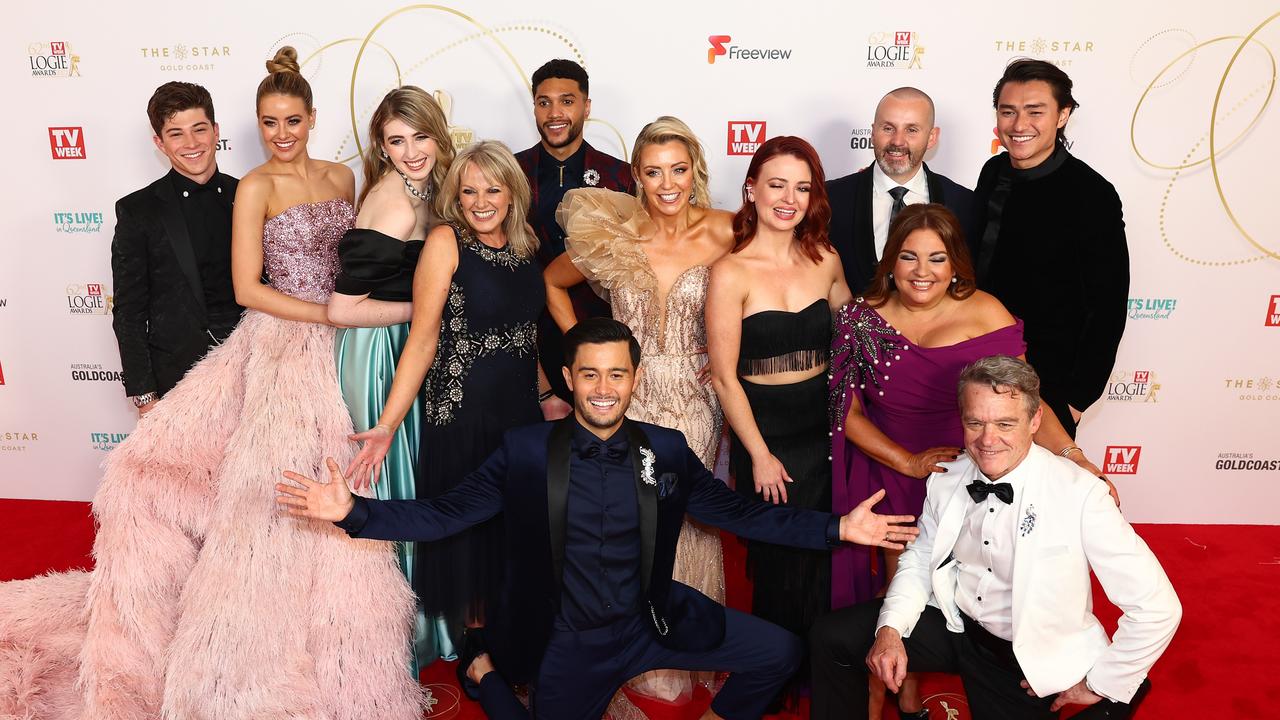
499, 166
420, 111
664, 130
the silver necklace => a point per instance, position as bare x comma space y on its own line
423, 196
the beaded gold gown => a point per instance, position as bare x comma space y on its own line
605, 232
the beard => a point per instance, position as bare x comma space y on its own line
590, 414
897, 166
574, 132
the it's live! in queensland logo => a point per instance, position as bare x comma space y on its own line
1121, 459
722, 47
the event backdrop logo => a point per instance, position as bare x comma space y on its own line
181, 57
1264, 387
92, 372
860, 139
1273, 312
1149, 308
87, 221
89, 299
67, 143
1121, 459
1059, 51
16, 441
1138, 386
737, 52
1, 373
1244, 461
53, 59
900, 49
745, 136
106, 441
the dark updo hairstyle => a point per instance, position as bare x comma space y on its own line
811, 232
923, 216
284, 77
1025, 70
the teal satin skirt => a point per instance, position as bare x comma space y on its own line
366, 359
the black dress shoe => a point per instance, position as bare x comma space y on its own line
472, 647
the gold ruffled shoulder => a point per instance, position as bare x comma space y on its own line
603, 232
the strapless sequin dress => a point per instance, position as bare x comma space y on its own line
206, 601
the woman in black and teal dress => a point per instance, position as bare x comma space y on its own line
408, 155
477, 294
769, 308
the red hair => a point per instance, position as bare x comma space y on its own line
811, 233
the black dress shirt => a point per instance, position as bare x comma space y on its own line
206, 209
602, 536
555, 178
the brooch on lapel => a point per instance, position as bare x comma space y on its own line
647, 458
591, 177
1028, 521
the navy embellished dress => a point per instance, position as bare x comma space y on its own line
483, 382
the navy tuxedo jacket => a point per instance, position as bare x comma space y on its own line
852, 232
527, 480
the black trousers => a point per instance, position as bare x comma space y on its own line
992, 679
581, 671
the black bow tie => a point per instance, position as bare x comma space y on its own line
613, 451
979, 490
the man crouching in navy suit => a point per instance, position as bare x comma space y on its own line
592, 507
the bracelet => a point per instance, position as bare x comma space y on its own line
545, 395
384, 426
1068, 450
144, 399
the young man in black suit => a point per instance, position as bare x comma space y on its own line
561, 161
171, 254
592, 506
864, 204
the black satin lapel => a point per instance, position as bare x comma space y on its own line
175, 229
647, 496
864, 232
558, 448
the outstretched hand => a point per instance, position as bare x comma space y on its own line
864, 527
330, 501
377, 443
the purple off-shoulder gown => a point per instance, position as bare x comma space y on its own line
909, 393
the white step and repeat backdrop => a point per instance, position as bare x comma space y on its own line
1177, 111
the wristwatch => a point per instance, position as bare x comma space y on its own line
144, 399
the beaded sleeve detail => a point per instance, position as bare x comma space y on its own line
863, 349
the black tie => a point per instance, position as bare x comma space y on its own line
898, 194
979, 490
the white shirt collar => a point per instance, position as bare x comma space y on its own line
882, 183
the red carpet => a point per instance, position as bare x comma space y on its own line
1221, 664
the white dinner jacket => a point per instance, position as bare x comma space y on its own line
1067, 523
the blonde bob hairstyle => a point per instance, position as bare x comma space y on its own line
664, 130
499, 167
413, 106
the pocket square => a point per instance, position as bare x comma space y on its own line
667, 484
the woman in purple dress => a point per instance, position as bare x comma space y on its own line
896, 355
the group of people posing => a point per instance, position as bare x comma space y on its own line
523, 365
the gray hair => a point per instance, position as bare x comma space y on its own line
1004, 374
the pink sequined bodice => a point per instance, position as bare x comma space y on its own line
300, 248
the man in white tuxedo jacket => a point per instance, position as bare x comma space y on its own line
997, 586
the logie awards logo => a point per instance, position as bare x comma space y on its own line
1138, 386
900, 49
89, 299
53, 59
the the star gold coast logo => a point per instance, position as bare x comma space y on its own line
1258, 387
181, 57
898, 49
17, 440
1061, 51
53, 59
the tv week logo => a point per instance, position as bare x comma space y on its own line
67, 143
1273, 312
745, 136
1, 374
1121, 459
